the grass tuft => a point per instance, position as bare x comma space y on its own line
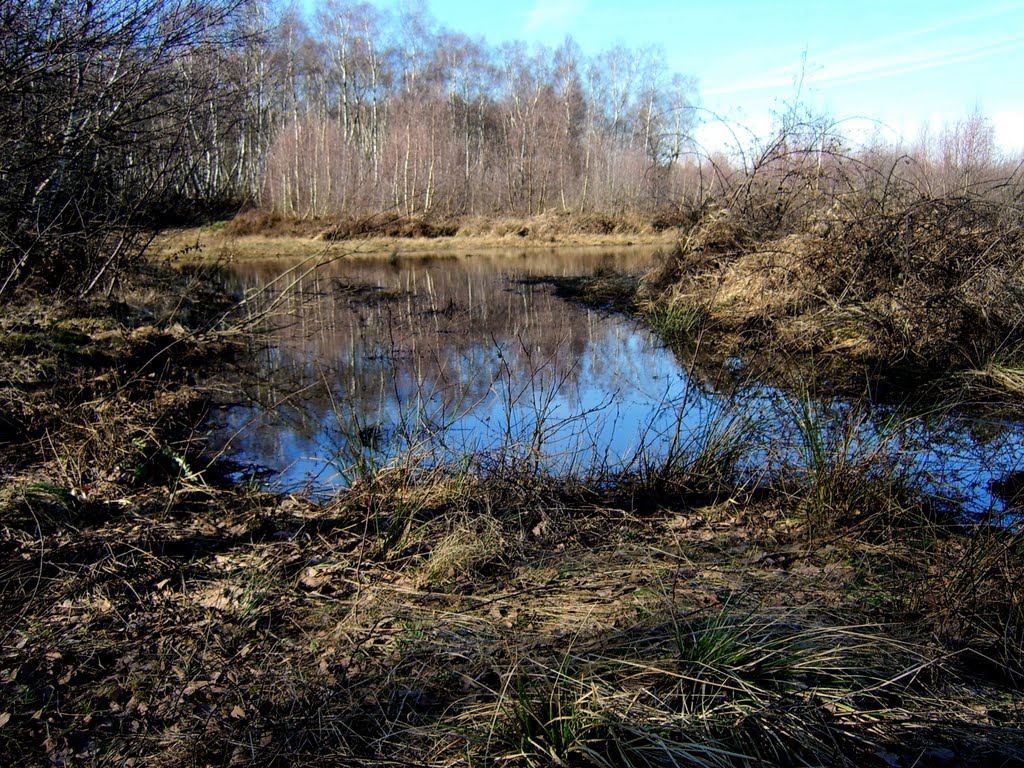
677, 322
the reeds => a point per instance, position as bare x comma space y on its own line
675, 321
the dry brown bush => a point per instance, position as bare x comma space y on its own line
269, 223
906, 260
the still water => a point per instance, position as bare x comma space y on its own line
473, 360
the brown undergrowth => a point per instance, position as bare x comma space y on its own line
264, 235
543, 226
465, 622
864, 268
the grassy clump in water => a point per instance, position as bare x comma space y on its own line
606, 289
676, 322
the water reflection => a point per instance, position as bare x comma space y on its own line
449, 358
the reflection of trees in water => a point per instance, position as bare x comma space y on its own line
364, 357
368, 345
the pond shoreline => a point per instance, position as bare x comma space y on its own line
213, 243
441, 614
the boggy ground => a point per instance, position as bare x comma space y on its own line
155, 614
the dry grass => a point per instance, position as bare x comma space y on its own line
232, 629
995, 380
250, 237
933, 286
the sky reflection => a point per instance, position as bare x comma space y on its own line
467, 359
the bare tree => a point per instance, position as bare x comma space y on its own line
383, 109
96, 103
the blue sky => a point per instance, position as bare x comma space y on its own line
903, 62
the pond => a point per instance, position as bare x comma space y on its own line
473, 360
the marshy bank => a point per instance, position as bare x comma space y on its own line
446, 608
874, 269
650, 558
258, 235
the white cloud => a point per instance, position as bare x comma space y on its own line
852, 70
984, 33
553, 15
1009, 125
863, 71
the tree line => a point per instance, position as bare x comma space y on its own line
116, 115
358, 108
